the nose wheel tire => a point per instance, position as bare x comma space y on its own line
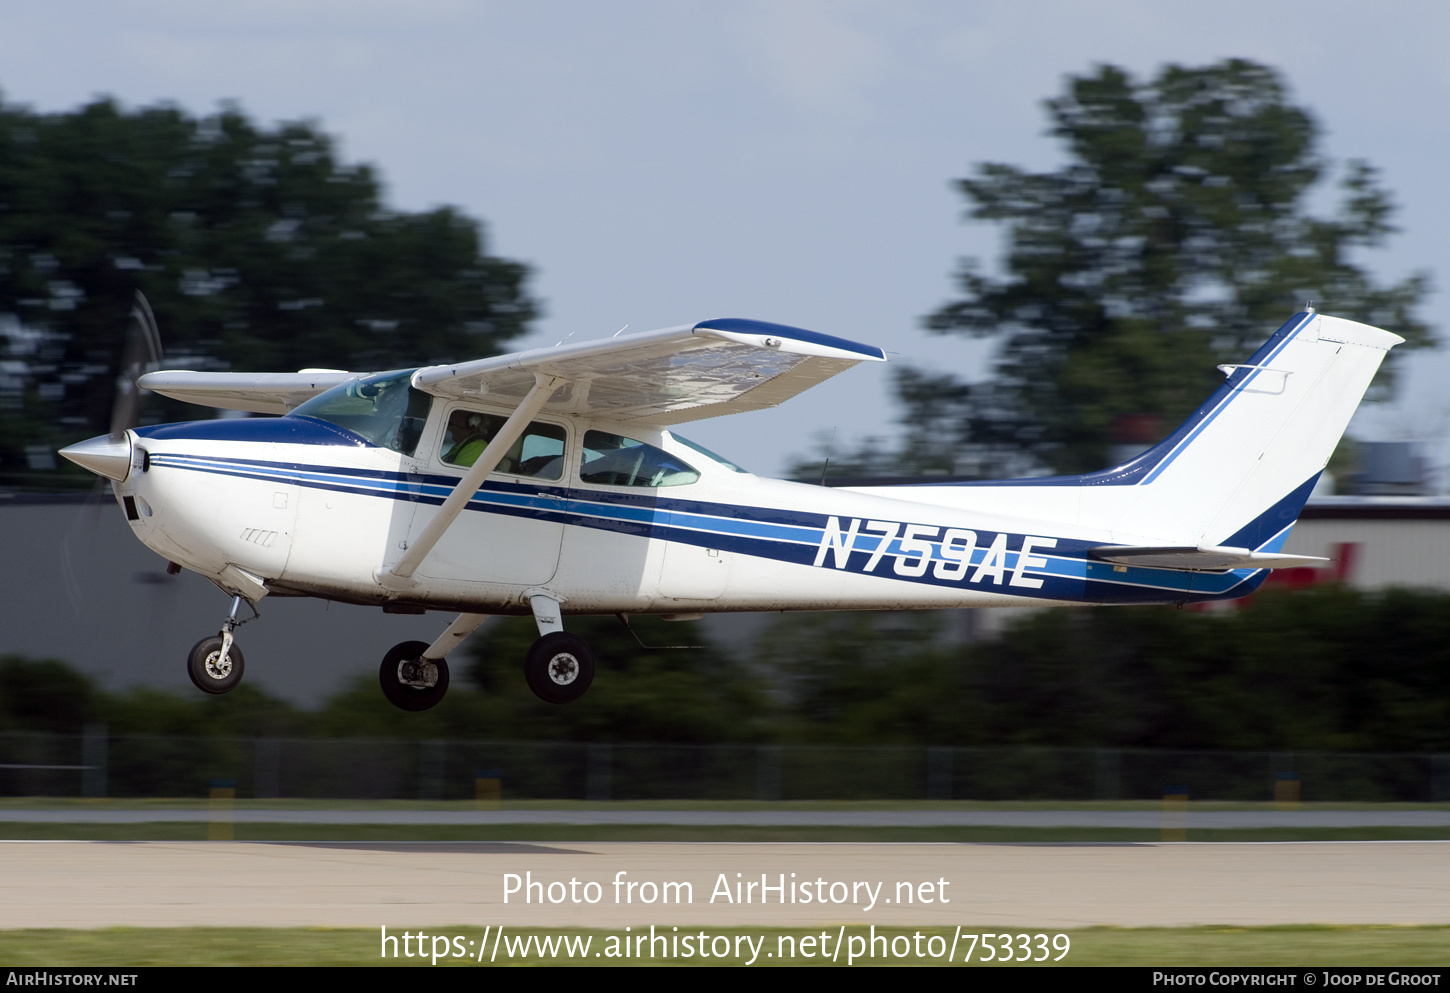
559, 667
409, 681
209, 671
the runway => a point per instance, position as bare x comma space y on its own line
408, 886
1137, 819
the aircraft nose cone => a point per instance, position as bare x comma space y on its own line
103, 455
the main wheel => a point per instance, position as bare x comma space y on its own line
559, 667
209, 671
408, 682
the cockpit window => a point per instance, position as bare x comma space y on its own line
384, 409
539, 453
615, 461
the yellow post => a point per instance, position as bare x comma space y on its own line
223, 797
1175, 813
487, 789
1286, 791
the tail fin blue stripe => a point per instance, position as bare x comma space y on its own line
1149, 465
1216, 404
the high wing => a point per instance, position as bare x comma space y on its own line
678, 374
258, 392
669, 376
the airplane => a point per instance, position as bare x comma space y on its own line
551, 483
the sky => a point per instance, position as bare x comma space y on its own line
660, 162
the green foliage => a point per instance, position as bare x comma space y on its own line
246, 712
48, 695
857, 678
45, 695
1325, 669
666, 695
639, 694
1322, 669
1177, 236
257, 248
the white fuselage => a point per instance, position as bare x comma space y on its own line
302, 516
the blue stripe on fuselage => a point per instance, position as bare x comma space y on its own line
770, 533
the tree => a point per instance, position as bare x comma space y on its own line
257, 247
1175, 238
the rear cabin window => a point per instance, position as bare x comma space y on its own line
538, 453
611, 460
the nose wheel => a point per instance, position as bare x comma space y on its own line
215, 664
559, 667
410, 681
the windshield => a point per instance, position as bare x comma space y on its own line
707, 453
384, 409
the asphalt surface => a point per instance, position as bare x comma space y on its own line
430, 885
1142, 819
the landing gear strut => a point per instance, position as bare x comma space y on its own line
215, 664
559, 666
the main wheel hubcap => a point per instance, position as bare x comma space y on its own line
418, 674
563, 669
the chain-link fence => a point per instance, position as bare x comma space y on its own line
98, 764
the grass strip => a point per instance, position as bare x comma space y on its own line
248, 803
1390, 946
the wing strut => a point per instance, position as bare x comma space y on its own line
400, 577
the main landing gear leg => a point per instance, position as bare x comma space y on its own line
559, 667
215, 664
414, 675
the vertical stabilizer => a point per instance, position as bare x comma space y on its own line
1239, 470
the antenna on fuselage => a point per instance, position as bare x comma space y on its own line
830, 447
624, 619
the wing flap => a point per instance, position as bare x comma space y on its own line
258, 392
1190, 558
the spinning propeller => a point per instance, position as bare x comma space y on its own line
142, 354
110, 455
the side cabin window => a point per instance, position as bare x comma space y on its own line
611, 460
538, 453
383, 409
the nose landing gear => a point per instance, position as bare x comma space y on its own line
215, 664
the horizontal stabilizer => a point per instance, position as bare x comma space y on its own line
1189, 558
